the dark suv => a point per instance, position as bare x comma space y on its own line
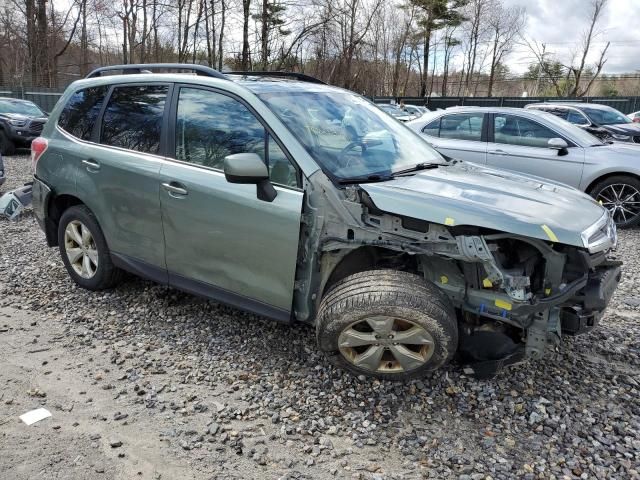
603, 121
20, 122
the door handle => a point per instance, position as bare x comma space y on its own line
175, 189
498, 152
91, 164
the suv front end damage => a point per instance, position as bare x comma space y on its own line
514, 295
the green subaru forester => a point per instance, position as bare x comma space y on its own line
299, 201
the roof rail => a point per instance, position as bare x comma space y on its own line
297, 76
147, 67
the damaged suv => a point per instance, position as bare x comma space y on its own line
302, 202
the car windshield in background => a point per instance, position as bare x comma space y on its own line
23, 108
583, 137
606, 116
348, 136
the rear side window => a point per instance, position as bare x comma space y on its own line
462, 126
433, 129
133, 117
81, 111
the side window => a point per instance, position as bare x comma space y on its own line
462, 126
133, 118
577, 118
81, 111
513, 130
210, 126
433, 129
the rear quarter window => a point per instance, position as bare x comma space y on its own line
81, 111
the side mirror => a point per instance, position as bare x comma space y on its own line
558, 144
248, 168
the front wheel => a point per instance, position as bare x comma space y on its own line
387, 324
620, 195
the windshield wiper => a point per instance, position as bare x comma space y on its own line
419, 166
365, 179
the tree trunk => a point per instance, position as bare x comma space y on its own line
84, 44
425, 60
264, 35
223, 13
246, 11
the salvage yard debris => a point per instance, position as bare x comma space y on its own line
34, 416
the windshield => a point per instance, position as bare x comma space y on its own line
606, 116
348, 136
23, 108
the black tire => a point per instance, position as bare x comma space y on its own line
602, 191
387, 293
107, 275
7, 147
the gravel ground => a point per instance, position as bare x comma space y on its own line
225, 394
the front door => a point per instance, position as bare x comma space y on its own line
521, 145
221, 240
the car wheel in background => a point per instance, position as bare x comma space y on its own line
7, 147
387, 324
84, 250
620, 195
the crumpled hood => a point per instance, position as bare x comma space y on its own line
464, 193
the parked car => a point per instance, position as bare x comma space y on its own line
20, 122
635, 117
227, 187
396, 112
603, 121
415, 110
3, 175
541, 144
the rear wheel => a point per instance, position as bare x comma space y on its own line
84, 250
621, 196
7, 147
387, 324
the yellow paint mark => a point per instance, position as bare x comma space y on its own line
549, 232
449, 221
547, 291
444, 279
502, 304
486, 283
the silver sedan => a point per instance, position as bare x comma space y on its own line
540, 144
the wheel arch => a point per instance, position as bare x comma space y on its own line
366, 258
55, 208
607, 175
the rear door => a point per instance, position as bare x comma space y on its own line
459, 135
118, 175
221, 240
520, 144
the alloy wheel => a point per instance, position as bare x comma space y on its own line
81, 249
622, 200
386, 344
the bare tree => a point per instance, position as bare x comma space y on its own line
505, 25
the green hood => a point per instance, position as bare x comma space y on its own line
468, 194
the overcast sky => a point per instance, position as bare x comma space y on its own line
559, 24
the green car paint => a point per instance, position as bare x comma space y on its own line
191, 227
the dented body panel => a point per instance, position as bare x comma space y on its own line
468, 194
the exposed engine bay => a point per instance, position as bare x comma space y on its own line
514, 295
